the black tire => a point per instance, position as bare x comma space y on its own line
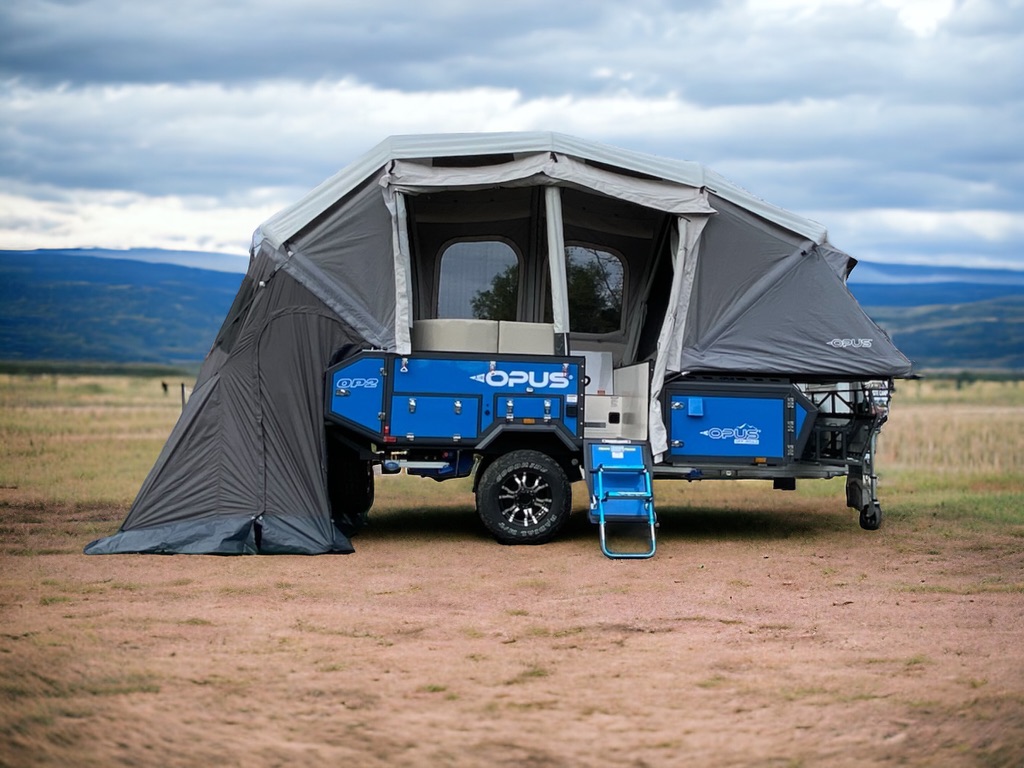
524, 497
351, 489
871, 517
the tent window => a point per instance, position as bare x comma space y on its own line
479, 279
595, 280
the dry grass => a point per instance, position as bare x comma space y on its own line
84, 443
950, 391
970, 439
768, 630
976, 429
80, 440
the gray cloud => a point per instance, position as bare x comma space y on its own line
710, 52
193, 40
829, 108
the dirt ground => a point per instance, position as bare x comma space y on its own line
774, 638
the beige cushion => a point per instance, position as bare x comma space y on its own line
455, 335
526, 338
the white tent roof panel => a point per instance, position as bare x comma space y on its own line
287, 222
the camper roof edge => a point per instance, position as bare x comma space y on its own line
285, 223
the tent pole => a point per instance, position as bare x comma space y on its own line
556, 261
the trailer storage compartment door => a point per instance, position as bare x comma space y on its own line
737, 422
355, 393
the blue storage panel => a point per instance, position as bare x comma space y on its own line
435, 416
485, 374
737, 422
355, 392
530, 407
537, 387
730, 427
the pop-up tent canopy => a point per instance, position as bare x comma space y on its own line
712, 280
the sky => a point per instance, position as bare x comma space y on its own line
899, 125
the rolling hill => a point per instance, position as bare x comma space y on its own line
947, 318
71, 306
165, 307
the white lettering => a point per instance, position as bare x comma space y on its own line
851, 343
535, 379
741, 435
356, 383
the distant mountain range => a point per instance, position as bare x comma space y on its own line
947, 318
165, 307
217, 262
108, 306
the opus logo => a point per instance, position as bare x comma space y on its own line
851, 343
744, 434
357, 383
538, 380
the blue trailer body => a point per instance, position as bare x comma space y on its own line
456, 400
519, 421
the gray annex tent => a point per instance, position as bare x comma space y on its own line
719, 282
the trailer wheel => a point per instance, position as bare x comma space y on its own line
351, 491
524, 497
871, 517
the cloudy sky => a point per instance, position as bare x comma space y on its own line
898, 124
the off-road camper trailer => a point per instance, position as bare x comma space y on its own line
533, 309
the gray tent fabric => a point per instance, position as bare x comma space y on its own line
778, 328
244, 468
345, 258
769, 302
357, 260
292, 352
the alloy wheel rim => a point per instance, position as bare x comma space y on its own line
525, 498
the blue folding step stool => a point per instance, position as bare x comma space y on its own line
618, 475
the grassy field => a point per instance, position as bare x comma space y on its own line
85, 443
768, 630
